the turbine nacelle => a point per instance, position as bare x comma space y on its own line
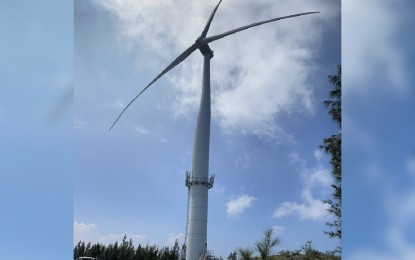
203, 47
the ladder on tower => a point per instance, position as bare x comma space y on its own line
187, 217
187, 183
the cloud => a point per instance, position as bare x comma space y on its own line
278, 230
238, 205
311, 208
85, 232
318, 178
142, 131
173, 237
89, 233
318, 175
253, 81
377, 55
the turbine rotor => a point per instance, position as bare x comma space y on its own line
201, 43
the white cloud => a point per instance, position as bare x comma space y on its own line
89, 233
311, 208
278, 230
85, 232
173, 237
253, 83
238, 205
143, 131
318, 153
317, 176
377, 54
313, 180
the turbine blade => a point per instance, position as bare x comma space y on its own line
177, 61
205, 31
219, 36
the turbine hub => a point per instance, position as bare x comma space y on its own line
203, 48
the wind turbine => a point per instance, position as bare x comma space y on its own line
198, 181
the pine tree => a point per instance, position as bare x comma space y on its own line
332, 146
232, 256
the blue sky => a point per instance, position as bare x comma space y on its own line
61, 170
36, 155
378, 150
268, 120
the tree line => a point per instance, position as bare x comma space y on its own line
126, 251
263, 249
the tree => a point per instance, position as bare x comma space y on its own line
309, 252
97, 251
332, 146
139, 253
183, 252
232, 256
79, 250
245, 253
126, 249
175, 250
266, 245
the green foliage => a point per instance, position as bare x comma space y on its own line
286, 254
309, 252
334, 104
232, 256
266, 245
264, 249
332, 146
245, 253
79, 250
126, 251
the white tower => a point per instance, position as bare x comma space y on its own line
198, 181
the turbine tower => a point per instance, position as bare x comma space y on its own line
198, 181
